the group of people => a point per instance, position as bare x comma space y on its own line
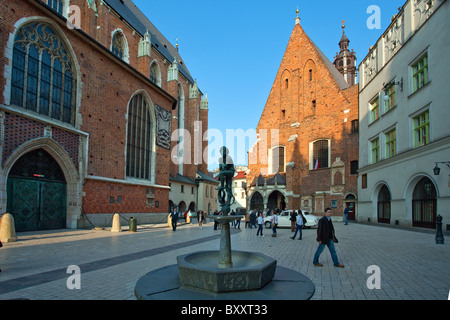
175, 216
257, 218
325, 231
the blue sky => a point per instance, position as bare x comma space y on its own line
234, 48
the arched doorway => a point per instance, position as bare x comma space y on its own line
36, 193
424, 204
257, 202
276, 201
384, 205
350, 202
182, 208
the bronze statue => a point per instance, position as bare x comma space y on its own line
226, 174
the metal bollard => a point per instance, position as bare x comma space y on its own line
133, 224
439, 234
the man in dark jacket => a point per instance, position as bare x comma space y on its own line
325, 237
174, 216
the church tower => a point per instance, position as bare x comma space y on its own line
345, 60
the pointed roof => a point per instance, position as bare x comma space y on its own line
344, 37
330, 66
133, 16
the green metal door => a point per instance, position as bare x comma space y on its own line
36, 193
23, 203
37, 205
52, 209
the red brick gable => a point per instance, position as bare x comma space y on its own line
309, 101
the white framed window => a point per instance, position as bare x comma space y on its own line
119, 45
319, 154
374, 109
391, 143
389, 98
374, 146
277, 159
419, 72
422, 129
155, 73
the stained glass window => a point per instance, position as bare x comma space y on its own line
42, 73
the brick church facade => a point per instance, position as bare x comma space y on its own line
92, 97
306, 156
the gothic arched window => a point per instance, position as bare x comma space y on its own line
119, 46
155, 74
140, 139
43, 73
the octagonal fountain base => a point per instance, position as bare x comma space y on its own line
250, 271
197, 277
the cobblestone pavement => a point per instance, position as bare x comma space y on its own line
412, 265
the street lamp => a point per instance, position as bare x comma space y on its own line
437, 170
391, 83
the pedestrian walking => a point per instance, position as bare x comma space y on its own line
326, 237
247, 219
346, 214
233, 223
298, 226
174, 217
200, 218
252, 219
293, 219
274, 220
260, 225
216, 224
237, 223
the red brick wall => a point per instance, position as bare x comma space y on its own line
109, 197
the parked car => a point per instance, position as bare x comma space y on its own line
283, 219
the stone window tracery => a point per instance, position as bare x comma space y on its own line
43, 73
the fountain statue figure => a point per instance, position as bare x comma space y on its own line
226, 174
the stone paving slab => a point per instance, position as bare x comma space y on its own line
412, 265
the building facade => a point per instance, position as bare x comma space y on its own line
92, 97
306, 156
404, 116
239, 189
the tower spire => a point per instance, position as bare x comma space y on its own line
297, 20
345, 61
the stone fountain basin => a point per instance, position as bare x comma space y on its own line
250, 271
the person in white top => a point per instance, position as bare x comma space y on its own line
298, 226
274, 221
260, 225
